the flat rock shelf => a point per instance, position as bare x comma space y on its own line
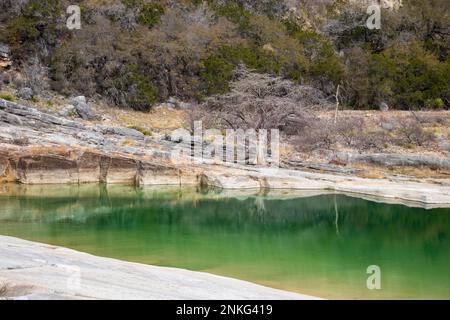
30, 270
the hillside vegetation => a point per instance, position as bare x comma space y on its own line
136, 53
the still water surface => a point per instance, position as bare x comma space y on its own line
318, 245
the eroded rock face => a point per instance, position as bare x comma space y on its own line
66, 151
87, 167
120, 170
155, 174
230, 181
46, 169
7, 168
41, 148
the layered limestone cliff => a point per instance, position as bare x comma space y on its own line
77, 166
41, 148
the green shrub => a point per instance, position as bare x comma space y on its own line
323, 65
108, 57
196, 2
253, 58
150, 14
20, 30
38, 19
133, 4
327, 67
135, 89
144, 131
437, 103
416, 76
147, 13
234, 12
218, 68
216, 74
34, 99
143, 92
7, 96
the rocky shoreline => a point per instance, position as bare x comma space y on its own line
30, 270
40, 148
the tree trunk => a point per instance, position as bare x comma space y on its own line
337, 104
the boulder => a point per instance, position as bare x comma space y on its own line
151, 174
5, 56
387, 126
173, 102
80, 99
83, 109
383, 106
4, 50
186, 105
229, 181
85, 112
68, 110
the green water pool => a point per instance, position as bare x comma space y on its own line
319, 245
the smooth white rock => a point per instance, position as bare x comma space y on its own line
30, 270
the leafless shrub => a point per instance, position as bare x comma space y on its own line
375, 140
412, 133
261, 101
348, 132
317, 134
434, 119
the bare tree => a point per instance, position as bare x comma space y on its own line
337, 104
261, 101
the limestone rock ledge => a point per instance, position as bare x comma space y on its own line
41, 148
30, 270
411, 193
78, 166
